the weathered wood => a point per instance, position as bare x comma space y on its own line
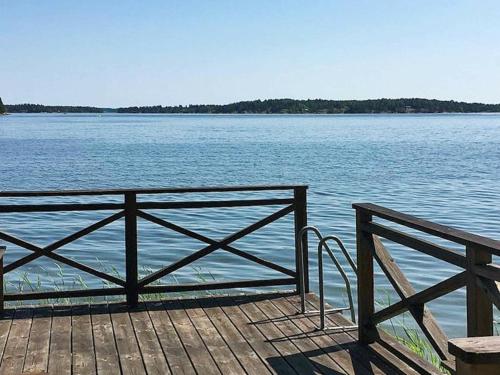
82, 343
490, 287
213, 204
131, 271
151, 351
273, 359
489, 271
290, 352
344, 360
448, 233
17, 343
37, 354
5, 324
211, 248
476, 355
207, 240
217, 285
479, 306
426, 247
476, 349
354, 358
194, 345
398, 357
318, 357
175, 190
106, 355
24, 296
420, 313
415, 300
60, 342
220, 351
365, 287
65, 241
130, 210
173, 348
300, 221
11, 208
126, 342
253, 334
248, 358
59, 258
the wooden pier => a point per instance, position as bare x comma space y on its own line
250, 333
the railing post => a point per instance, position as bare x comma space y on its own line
366, 298
479, 306
131, 248
2, 253
300, 217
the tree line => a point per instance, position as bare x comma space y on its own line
39, 108
282, 106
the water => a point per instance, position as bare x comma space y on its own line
441, 167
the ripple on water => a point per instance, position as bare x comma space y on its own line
443, 168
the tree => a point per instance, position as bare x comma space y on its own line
2, 107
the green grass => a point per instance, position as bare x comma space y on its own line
32, 282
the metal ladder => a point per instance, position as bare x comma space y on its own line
323, 245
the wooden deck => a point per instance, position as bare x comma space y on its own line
251, 334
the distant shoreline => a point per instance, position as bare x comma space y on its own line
282, 107
257, 114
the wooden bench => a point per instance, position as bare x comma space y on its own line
476, 355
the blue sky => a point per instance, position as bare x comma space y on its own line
119, 53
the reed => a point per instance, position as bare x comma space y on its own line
40, 279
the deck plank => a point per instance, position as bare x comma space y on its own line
248, 358
406, 361
60, 342
106, 354
191, 340
254, 337
290, 352
152, 352
17, 342
126, 342
353, 358
319, 359
252, 334
176, 355
5, 325
37, 354
221, 352
82, 341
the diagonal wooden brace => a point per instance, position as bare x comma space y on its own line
217, 245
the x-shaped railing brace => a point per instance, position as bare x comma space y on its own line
213, 245
48, 251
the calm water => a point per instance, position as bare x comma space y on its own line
441, 167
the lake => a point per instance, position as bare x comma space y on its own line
444, 168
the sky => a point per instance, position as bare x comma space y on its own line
122, 53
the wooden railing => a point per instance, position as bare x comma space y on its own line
132, 208
479, 275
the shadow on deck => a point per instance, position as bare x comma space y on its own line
253, 334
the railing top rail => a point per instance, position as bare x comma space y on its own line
443, 231
172, 190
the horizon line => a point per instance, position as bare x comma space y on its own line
253, 100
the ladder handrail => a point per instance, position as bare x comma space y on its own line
322, 244
300, 235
